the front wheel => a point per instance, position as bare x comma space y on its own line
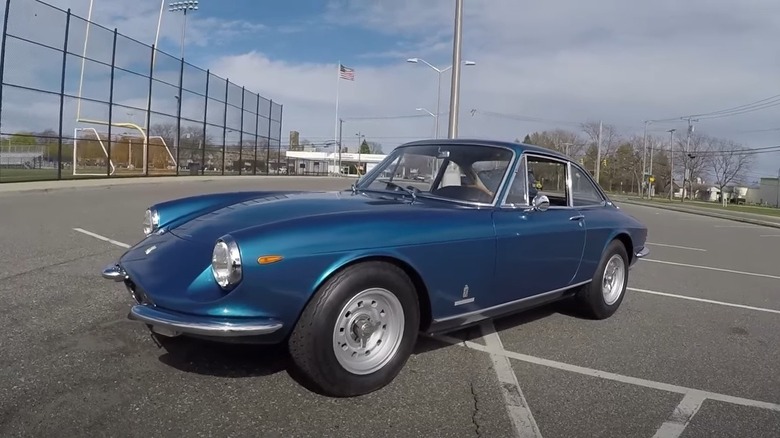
601, 298
358, 330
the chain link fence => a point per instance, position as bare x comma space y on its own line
79, 100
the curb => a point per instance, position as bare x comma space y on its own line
707, 213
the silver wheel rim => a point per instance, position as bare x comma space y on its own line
612, 281
368, 331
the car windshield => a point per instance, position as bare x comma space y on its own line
466, 173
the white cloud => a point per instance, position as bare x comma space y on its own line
619, 61
567, 60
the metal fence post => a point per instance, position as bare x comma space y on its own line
62, 94
281, 107
149, 112
268, 140
178, 115
2, 56
111, 104
241, 134
224, 125
2, 59
205, 118
257, 128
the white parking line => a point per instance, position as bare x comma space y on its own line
703, 300
738, 226
675, 246
710, 268
613, 376
769, 235
516, 405
681, 417
103, 238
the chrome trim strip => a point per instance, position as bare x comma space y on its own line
179, 324
510, 303
114, 272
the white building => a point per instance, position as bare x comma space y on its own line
769, 191
328, 162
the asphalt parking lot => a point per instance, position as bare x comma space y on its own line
694, 350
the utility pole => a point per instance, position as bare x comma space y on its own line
598, 155
671, 163
651, 186
644, 167
455, 81
686, 157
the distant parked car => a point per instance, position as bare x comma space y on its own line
347, 279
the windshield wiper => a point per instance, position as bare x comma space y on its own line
410, 190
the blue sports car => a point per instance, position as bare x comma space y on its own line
440, 235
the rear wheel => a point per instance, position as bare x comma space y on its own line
603, 295
358, 330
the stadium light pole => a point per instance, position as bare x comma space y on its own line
187, 5
439, 72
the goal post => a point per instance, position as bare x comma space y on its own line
87, 157
130, 153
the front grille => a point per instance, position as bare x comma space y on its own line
137, 293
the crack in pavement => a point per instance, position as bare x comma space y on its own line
476, 410
52, 265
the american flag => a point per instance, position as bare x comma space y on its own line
346, 73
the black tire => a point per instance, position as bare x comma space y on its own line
311, 343
590, 298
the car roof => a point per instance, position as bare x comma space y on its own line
519, 148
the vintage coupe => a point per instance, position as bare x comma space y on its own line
440, 235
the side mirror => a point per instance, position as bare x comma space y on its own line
541, 203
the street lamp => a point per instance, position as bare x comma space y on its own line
188, 5
435, 116
439, 71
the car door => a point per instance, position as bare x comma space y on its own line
537, 251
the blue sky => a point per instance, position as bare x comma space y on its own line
539, 65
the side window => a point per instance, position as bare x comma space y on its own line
583, 190
548, 177
517, 194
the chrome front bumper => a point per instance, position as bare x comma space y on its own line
172, 324
644, 252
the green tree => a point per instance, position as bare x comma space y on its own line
365, 148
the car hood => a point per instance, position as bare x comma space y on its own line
281, 207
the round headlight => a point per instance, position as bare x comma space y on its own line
226, 263
151, 221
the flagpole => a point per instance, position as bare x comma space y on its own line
336, 129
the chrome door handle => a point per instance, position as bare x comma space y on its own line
577, 218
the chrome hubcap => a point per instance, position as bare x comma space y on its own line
368, 331
612, 282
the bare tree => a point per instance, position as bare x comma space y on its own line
610, 138
730, 162
694, 157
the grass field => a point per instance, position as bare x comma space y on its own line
24, 175
767, 211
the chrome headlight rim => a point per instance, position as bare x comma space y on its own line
151, 220
226, 267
